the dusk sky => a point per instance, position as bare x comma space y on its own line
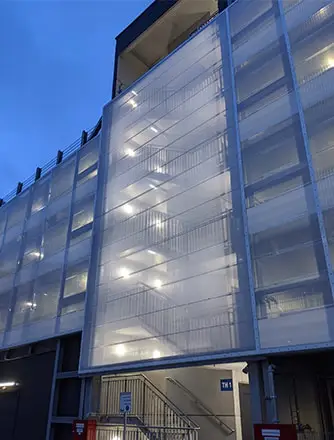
56, 65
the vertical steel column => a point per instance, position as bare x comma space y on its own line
307, 148
102, 169
68, 242
232, 115
53, 391
256, 391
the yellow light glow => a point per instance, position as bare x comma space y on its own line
156, 354
128, 209
124, 272
157, 284
330, 63
133, 103
130, 152
120, 350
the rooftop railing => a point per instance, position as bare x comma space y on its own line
49, 166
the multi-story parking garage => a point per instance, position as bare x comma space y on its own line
187, 243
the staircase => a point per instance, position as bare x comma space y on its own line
153, 416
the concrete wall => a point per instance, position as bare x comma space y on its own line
24, 412
204, 383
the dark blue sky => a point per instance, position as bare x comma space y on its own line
56, 64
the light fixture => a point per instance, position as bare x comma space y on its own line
133, 103
156, 354
153, 186
124, 272
130, 152
151, 252
134, 93
8, 384
158, 170
120, 350
128, 209
157, 284
154, 129
330, 63
158, 223
116, 437
33, 305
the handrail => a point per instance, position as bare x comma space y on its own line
158, 393
227, 429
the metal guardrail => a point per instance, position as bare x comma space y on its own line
209, 413
61, 155
152, 433
148, 403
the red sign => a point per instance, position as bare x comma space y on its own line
275, 432
84, 430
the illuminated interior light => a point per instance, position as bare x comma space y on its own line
130, 152
153, 186
133, 103
159, 170
156, 354
154, 129
8, 384
36, 254
158, 223
124, 272
134, 93
157, 284
120, 350
128, 209
115, 437
151, 252
330, 63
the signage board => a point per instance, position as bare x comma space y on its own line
226, 385
125, 402
275, 432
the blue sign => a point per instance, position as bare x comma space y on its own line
226, 385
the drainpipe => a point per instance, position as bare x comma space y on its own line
271, 397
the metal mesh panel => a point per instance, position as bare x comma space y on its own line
36, 248
168, 276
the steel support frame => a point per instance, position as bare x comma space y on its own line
224, 20
307, 147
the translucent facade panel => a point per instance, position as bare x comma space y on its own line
40, 196
83, 212
76, 278
88, 156
17, 210
62, 179
37, 246
168, 278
